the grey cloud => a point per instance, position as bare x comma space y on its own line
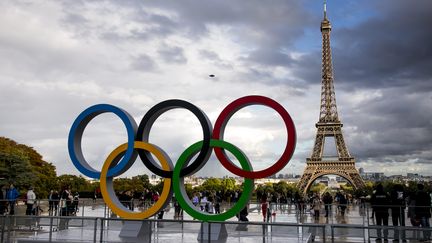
148, 25
173, 54
394, 127
143, 63
390, 49
214, 58
209, 55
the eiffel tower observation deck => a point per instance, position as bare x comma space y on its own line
329, 125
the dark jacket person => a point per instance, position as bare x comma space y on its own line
380, 203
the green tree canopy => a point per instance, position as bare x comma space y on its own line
23, 166
212, 184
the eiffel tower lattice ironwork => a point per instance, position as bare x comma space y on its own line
329, 125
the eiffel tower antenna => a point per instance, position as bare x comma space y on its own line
328, 125
325, 9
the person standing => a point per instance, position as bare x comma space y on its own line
327, 200
398, 197
31, 198
380, 204
178, 212
50, 203
56, 200
11, 196
422, 210
66, 196
195, 200
316, 204
343, 203
2, 201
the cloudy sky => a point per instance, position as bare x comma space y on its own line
60, 57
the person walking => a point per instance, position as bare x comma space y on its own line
423, 210
398, 197
264, 207
380, 204
11, 196
316, 205
31, 198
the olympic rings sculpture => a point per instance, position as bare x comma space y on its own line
123, 157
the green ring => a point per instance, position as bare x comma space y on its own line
179, 188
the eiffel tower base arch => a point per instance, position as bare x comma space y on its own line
316, 169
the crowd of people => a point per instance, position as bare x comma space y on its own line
383, 203
311, 203
419, 210
9, 197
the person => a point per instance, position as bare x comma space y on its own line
397, 196
195, 200
203, 204
264, 208
217, 205
411, 210
50, 202
380, 204
328, 200
11, 196
422, 210
2, 200
316, 205
178, 212
269, 212
31, 198
76, 202
209, 206
373, 211
67, 197
242, 216
343, 202
155, 197
56, 200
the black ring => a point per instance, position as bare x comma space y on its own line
147, 123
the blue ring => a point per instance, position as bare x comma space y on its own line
75, 138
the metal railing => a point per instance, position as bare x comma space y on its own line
54, 229
19, 225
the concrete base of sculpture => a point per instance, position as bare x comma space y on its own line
139, 230
218, 233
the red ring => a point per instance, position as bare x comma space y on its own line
229, 111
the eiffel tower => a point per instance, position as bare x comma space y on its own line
328, 125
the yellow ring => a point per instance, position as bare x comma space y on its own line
108, 191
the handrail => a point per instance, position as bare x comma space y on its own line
8, 219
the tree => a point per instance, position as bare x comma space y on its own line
212, 184
318, 188
140, 182
75, 183
24, 167
264, 189
45, 173
281, 187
